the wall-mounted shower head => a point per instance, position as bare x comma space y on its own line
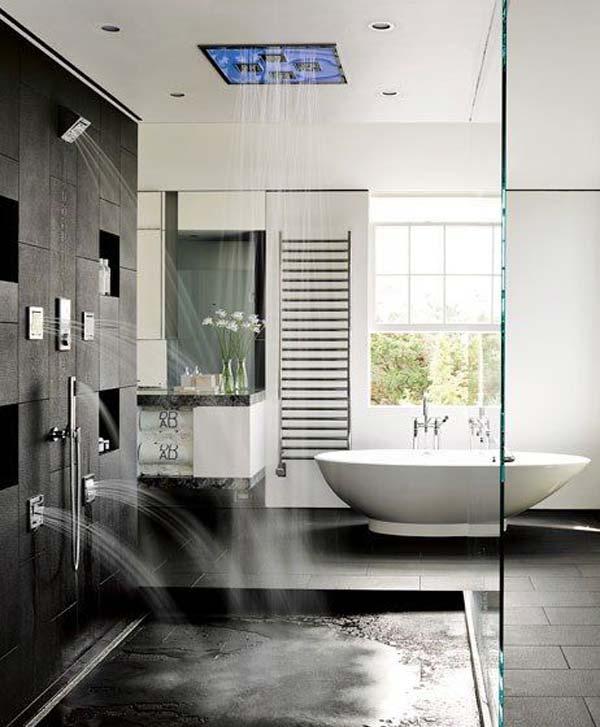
71, 125
288, 64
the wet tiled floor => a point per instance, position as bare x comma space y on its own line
552, 587
552, 616
321, 549
397, 670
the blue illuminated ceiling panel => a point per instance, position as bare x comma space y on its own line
277, 64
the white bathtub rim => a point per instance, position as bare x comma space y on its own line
443, 458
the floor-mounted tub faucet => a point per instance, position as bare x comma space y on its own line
479, 428
425, 424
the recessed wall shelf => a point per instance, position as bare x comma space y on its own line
9, 436
108, 413
9, 237
110, 249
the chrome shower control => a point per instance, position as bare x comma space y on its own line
63, 315
35, 507
57, 435
35, 323
88, 482
88, 325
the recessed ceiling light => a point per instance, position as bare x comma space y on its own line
177, 94
389, 92
381, 25
111, 28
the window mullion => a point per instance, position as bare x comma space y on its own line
444, 278
409, 306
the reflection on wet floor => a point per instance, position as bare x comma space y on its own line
400, 670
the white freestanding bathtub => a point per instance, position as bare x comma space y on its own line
444, 492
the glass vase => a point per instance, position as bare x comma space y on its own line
227, 380
241, 376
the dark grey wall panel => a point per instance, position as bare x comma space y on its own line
129, 135
9, 178
9, 567
66, 194
63, 218
128, 210
87, 299
108, 332
9, 370
34, 167
128, 328
63, 160
35, 453
9, 97
34, 264
110, 217
87, 413
109, 159
88, 208
9, 302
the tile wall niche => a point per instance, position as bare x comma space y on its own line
58, 206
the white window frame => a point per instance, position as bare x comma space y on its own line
376, 327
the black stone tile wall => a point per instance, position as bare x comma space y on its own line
66, 195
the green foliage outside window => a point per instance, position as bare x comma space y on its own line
456, 369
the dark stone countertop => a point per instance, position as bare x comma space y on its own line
168, 399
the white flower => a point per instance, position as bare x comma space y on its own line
256, 329
221, 323
253, 318
232, 325
208, 321
247, 324
220, 313
238, 315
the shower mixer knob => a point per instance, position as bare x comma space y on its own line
57, 435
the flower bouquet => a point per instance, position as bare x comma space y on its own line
235, 334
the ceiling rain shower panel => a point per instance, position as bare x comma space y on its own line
300, 64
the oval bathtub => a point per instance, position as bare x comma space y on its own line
442, 493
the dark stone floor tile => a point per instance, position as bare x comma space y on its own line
534, 657
525, 615
577, 616
554, 712
552, 598
552, 635
552, 683
582, 657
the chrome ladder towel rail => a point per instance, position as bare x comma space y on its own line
314, 331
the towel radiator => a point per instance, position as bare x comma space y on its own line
314, 347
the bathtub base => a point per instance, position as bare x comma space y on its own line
435, 530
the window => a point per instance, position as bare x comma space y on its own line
435, 300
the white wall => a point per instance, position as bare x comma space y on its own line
329, 215
378, 157
152, 346
553, 342
553, 286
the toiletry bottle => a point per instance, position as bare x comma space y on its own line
105, 283
196, 378
186, 379
108, 276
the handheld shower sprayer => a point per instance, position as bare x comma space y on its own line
72, 432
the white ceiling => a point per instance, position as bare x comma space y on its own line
434, 57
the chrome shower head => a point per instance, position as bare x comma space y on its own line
71, 125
